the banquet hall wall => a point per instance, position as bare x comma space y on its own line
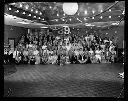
13, 32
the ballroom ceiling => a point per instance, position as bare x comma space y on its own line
51, 13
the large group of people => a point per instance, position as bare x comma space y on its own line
68, 49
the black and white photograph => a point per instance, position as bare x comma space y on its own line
64, 49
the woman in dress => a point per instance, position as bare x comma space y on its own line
113, 55
107, 55
98, 55
25, 54
45, 56
37, 57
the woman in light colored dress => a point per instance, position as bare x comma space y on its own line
37, 57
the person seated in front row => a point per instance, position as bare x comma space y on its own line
6, 56
32, 60
37, 57
107, 55
16, 56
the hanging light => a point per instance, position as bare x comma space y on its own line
50, 7
13, 3
85, 12
9, 8
63, 20
70, 19
56, 19
70, 8
31, 10
93, 11
64, 14
36, 11
110, 10
34, 17
40, 13
101, 10
92, 17
29, 15
57, 14
110, 17
23, 13
17, 11
26, 7
20, 5
101, 17
38, 17
119, 16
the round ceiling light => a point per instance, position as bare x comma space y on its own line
70, 8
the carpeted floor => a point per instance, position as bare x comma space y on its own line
73, 80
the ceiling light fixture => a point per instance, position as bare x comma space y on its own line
64, 14
63, 20
70, 19
92, 17
20, 5
34, 17
109, 17
17, 11
29, 15
110, 10
9, 8
101, 17
101, 10
50, 7
85, 12
70, 8
93, 11
26, 7
40, 13
36, 11
13, 3
23, 13
38, 17
31, 10
57, 14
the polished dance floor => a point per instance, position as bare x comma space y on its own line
73, 80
